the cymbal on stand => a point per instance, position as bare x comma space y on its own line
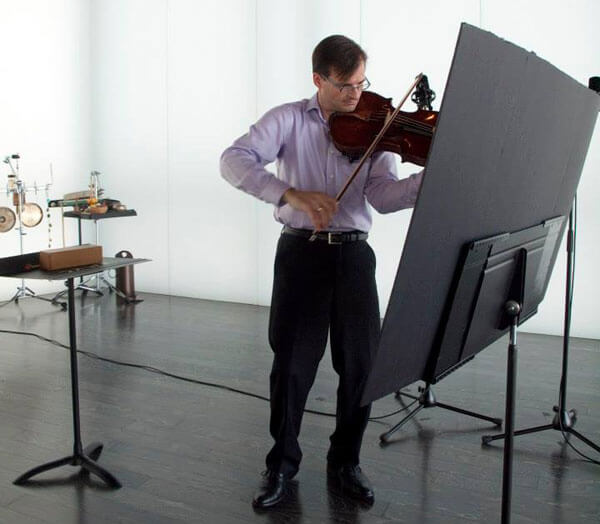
8, 219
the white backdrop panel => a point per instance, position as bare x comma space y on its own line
166, 69
287, 32
130, 130
45, 107
211, 98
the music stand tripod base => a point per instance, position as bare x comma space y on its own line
86, 458
427, 400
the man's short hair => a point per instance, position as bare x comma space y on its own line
337, 54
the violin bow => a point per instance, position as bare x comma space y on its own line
372, 147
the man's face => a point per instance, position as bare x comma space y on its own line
332, 97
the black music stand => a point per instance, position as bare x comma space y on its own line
84, 457
500, 282
564, 420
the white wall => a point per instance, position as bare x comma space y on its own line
287, 32
195, 75
45, 112
211, 93
173, 82
130, 129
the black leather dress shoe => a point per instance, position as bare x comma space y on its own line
352, 481
272, 491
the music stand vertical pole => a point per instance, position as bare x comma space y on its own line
77, 447
562, 394
513, 309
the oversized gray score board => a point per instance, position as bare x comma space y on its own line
511, 139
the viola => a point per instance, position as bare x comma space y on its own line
409, 135
360, 134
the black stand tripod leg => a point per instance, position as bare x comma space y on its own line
26, 292
402, 394
40, 469
583, 439
486, 439
384, 437
427, 400
52, 301
89, 465
497, 421
93, 450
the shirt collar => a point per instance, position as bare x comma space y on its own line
313, 104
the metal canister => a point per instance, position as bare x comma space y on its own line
125, 281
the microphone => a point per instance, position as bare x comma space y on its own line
423, 96
594, 84
8, 158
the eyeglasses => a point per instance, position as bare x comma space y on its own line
347, 88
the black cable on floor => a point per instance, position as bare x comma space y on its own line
158, 371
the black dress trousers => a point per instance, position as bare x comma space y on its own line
320, 288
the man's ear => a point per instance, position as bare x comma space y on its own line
317, 80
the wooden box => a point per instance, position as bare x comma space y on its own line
68, 257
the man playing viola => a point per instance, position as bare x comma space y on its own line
326, 286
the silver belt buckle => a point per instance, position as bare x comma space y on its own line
330, 238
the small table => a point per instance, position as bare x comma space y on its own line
79, 215
84, 457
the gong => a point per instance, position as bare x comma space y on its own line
31, 214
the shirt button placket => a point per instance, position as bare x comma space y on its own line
331, 168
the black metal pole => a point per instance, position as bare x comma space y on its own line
512, 309
562, 406
77, 447
79, 238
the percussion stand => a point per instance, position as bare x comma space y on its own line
98, 278
24, 291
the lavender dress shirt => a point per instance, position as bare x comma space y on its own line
296, 137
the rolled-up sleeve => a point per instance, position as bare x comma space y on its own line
383, 189
243, 164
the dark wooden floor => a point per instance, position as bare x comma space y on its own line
191, 453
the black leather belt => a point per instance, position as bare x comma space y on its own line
331, 237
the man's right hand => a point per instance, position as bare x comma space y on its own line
318, 206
